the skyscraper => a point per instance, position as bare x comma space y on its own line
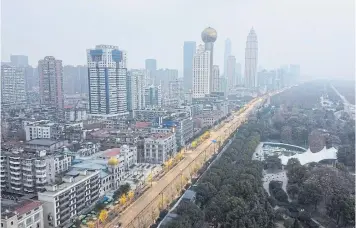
227, 54
153, 96
19, 60
230, 73
251, 58
107, 74
216, 79
201, 72
13, 91
151, 68
209, 36
136, 90
163, 77
238, 74
189, 50
50, 72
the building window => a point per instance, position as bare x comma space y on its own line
37, 217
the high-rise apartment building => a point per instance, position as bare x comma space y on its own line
151, 68
251, 58
13, 89
19, 60
227, 53
75, 79
231, 73
201, 73
163, 77
153, 96
50, 72
107, 74
238, 74
136, 90
189, 50
216, 79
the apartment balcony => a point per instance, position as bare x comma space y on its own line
16, 182
16, 173
28, 175
28, 184
40, 164
64, 211
63, 198
41, 181
80, 200
29, 190
64, 205
16, 188
16, 178
27, 168
15, 161
2, 174
41, 174
80, 194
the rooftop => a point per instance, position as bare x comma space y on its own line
10, 207
160, 136
75, 176
42, 142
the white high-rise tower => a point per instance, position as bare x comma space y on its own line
107, 74
201, 72
226, 55
251, 58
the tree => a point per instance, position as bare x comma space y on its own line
273, 162
130, 195
310, 194
292, 162
297, 174
123, 199
103, 216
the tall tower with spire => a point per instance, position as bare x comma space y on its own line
251, 58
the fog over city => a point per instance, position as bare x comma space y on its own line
319, 35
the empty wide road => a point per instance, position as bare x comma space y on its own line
141, 207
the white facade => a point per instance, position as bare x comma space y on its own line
201, 73
251, 59
136, 90
107, 81
39, 130
227, 53
159, 148
22, 172
57, 164
63, 202
231, 73
13, 90
28, 214
216, 78
75, 115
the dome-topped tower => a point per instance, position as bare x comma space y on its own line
209, 35
113, 161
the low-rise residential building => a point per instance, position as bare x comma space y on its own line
23, 172
148, 114
43, 129
22, 213
57, 164
44, 144
62, 202
75, 114
158, 148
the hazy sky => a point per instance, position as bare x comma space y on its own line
317, 34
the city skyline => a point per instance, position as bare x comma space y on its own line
292, 41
